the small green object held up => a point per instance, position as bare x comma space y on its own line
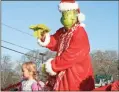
43, 68
39, 30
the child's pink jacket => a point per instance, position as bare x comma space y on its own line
38, 86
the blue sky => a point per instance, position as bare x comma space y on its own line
101, 23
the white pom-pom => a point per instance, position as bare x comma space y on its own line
81, 17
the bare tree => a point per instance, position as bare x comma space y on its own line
104, 63
9, 75
5, 69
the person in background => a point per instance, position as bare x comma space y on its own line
30, 74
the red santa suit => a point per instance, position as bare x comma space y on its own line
72, 66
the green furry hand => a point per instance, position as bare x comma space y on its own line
39, 30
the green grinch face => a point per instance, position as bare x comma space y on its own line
69, 18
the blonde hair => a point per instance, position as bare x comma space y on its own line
31, 67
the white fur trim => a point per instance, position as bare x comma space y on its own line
81, 17
68, 6
48, 67
82, 25
46, 42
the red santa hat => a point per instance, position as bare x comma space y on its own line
71, 5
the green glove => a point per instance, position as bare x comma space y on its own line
39, 30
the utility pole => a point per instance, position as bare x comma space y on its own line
42, 54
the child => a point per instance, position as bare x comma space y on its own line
30, 75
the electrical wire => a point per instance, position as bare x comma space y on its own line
18, 52
15, 29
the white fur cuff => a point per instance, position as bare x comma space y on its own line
46, 42
48, 67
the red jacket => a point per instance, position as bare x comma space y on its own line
75, 59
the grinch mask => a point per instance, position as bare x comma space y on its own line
69, 18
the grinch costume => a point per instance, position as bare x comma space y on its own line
71, 69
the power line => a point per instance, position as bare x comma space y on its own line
16, 45
18, 52
15, 29
42, 54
